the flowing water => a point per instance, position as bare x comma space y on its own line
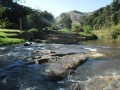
16, 74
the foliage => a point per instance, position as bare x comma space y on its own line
65, 20
105, 17
34, 33
39, 19
2, 9
2, 34
4, 23
7, 37
10, 31
102, 34
65, 30
87, 29
33, 30
8, 41
115, 32
76, 28
15, 12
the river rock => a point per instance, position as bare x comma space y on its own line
103, 83
27, 43
63, 67
76, 86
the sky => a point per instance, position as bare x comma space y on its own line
56, 7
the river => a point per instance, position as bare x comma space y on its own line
15, 74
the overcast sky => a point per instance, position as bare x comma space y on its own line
56, 7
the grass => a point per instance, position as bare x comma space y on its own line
81, 34
8, 37
102, 34
10, 31
9, 41
68, 31
109, 33
3, 34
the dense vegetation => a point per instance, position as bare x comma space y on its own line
105, 21
8, 37
105, 17
16, 16
13, 14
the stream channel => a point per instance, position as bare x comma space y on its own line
15, 74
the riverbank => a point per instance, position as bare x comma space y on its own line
9, 37
63, 37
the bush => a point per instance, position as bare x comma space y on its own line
34, 33
115, 32
76, 28
33, 30
87, 29
65, 30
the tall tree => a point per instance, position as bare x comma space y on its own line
65, 20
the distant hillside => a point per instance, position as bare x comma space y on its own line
105, 17
76, 16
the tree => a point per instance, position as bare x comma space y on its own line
2, 10
87, 29
29, 18
65, 20
105, 17
38, 19
76, 28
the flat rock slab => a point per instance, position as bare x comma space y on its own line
58, 66
64, 66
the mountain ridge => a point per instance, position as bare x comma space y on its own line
76, 16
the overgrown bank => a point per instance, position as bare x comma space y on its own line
8, 37
112, 33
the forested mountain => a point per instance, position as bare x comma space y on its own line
75, 16
12, 14
105, 17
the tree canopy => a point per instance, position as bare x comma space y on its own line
105, 17
12, 12
65, 20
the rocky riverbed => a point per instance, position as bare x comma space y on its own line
46, 66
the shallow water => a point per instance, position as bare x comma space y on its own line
17, 75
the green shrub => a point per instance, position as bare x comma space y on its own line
65, 30
76, 28
2, 34
87, 29
33, 30
34, 33
115, 32
9, 41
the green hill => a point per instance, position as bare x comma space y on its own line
105, 17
